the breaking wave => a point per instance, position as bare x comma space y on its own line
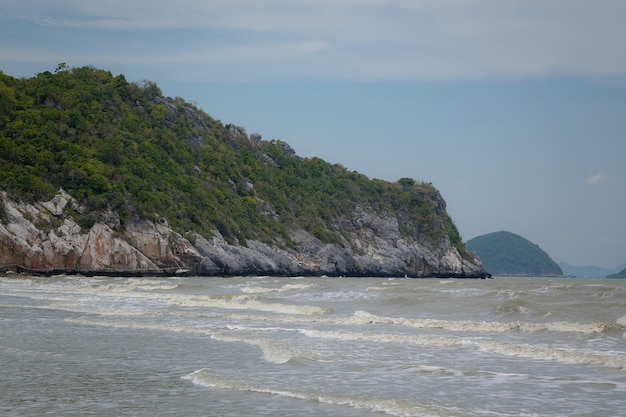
211, 379
570, 356
273, 351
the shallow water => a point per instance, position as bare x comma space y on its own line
312, 346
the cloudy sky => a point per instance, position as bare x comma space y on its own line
515, 110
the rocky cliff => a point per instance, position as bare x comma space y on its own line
44, 238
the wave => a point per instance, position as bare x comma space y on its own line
28, 352
279, 353
376, 288
569, 356
254, 289
381, 338
142, 326
495, 377
483, 326
211, 379
294, 313
273, 351
430, 370
581, 383
245, 302
90, 293
363, 318
113, 312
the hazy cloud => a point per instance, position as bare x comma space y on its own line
360, 39
595, 178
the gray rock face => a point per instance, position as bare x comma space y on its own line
30, 241
44, 238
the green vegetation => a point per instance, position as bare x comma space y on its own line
620, 274
122, 146
505, 253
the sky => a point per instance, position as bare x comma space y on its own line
515, 110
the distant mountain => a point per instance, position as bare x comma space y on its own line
505, 253
620, 274
590, 271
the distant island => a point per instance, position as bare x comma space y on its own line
620, 274
99, 175
591, 271
507, 254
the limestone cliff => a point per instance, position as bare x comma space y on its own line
44, 238
100, 175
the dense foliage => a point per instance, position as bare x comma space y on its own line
123, 147
505, 253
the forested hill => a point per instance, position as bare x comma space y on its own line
123, 149
620, 274
505, 253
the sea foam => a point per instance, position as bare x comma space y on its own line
208, 378
363, 317
572, 356
273, 351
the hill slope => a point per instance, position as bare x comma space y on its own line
505, 253
591, 271
620, 274
84, 152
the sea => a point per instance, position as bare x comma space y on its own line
306, 346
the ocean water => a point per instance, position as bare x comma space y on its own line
267, 346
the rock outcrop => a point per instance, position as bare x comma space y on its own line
44, 238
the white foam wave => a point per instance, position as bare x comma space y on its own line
237, 327
211, 379
362, 318
255, 289
569, 356
243, 302
86, 291
273, 351
151, 284
83, 303
466, 292
276, 353
287, 287
376, 288
142, 326
481, 326
380, 338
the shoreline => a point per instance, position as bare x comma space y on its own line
184, 272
